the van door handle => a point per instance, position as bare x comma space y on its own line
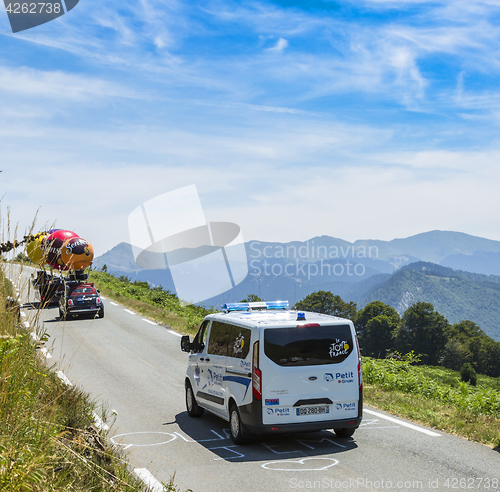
207, 360
202, 358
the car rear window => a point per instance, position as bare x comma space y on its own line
308, 345
83, 290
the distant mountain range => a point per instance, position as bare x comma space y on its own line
458, 273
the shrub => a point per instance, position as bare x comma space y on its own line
468, 374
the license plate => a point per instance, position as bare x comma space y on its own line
313, 410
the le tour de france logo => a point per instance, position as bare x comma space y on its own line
27, 14
171, 232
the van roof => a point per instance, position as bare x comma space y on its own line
276, 319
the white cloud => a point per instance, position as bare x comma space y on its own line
280, 45
32, 83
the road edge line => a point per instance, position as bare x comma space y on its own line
147, 478
403, 423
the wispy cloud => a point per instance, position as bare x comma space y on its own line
308, 114
280, 45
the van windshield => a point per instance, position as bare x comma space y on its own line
308, 345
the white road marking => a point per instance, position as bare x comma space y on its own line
174, 333
99, 423
23, 314
300, 465
319, 441
63, 378
129, 311
147, 477
114, 303
26, 323
231, 450
150, 322
184, 438
103, 297
403, 423
45, 353
34, 336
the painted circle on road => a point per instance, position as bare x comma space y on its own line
305, 464
143, 439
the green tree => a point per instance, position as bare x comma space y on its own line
423, 330
455, 354
325, 302
252, 298
376, 325
483, 352
468, 374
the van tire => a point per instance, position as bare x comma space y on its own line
344, 433
193, 409
235, 425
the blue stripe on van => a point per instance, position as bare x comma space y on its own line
239, 379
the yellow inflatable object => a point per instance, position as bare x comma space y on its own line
34, 249
77, 253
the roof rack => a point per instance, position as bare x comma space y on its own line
255, 306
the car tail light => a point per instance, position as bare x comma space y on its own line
256, 373
360, 372
98, 300
70, 302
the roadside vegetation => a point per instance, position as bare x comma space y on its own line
152, 302
434, 396
48, 440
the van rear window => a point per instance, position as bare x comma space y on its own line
309, 345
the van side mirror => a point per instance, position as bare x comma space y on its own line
186, 343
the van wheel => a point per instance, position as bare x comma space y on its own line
193, 409
344, 432
235, 425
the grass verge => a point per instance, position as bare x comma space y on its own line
435, 397
154, 303
48, 439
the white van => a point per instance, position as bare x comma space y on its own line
266, 369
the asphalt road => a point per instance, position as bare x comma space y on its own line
137, 369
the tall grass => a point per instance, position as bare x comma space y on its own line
402, 376
48, 441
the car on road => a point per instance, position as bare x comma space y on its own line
50, 287
268, 370
80, 298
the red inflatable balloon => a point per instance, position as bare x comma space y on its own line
53, 244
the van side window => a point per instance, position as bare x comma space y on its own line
239, 342
229, 340
200, 340
219, 338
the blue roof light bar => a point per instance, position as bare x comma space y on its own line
254, 306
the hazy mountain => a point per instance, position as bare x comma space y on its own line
480, 262
456, 295
394, 272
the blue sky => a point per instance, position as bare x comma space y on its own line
294, 119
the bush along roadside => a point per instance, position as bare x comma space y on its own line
154, 302
400, 387
48, 440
